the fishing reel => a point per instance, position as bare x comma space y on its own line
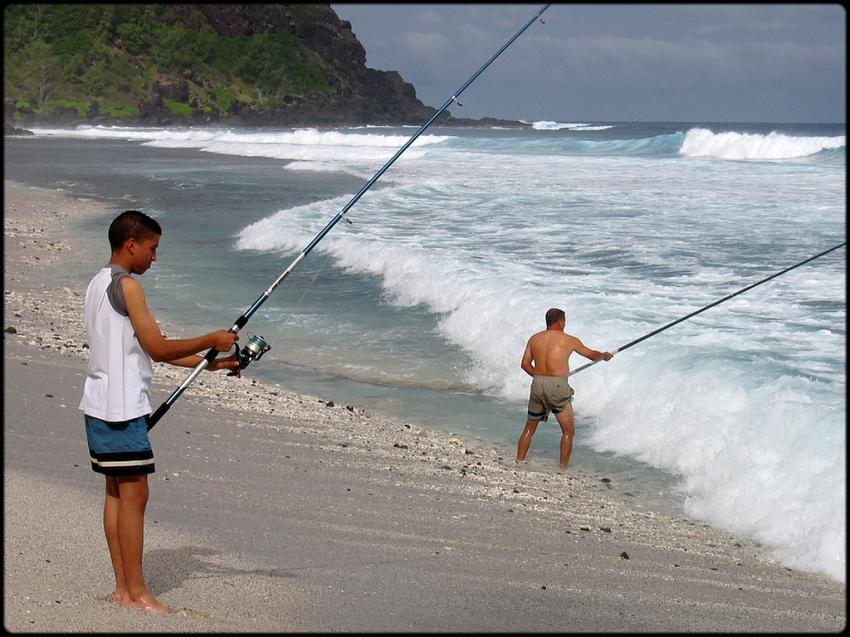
252, 351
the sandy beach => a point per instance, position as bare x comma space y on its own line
283, 512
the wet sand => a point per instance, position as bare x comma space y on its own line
277, 511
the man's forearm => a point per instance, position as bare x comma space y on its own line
186, 361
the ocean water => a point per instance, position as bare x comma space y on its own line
422, 306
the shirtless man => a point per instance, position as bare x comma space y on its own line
546, 359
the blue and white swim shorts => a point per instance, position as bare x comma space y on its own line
119, 448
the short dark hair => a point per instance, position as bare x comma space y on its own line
132, 224
553, 316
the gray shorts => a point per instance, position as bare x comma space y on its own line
548, 393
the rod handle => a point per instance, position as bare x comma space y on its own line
154, 418
159, 413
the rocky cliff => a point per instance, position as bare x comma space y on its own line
190, 64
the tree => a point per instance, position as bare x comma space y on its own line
39, 71
94, 79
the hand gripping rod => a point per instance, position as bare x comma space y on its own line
710, 305
242, 320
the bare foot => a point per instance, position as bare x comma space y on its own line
147, 603
117, 597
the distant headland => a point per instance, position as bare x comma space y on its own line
199, 64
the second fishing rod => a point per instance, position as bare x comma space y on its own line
711, 305
257, 346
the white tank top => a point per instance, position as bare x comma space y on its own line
119, 373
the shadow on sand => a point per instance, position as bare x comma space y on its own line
168, 569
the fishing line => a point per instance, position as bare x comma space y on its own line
710, 305
469, 98
484, 80
301, 300
438, 126
256, 346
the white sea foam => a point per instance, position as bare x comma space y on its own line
744, 403
576, 126
102, 132
331, 150
701, 142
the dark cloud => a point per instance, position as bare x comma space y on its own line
618, 62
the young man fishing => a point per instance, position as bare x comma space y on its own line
124, 339
546, 359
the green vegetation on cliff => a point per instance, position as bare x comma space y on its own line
172, 62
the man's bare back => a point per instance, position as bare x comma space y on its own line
548, 352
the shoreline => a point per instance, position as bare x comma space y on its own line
23, 127
403, 478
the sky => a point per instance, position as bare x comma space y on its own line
617, 62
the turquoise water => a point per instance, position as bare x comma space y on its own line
421, 307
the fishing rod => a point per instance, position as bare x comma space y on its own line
257, 346
710, 305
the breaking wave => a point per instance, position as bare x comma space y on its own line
701, 142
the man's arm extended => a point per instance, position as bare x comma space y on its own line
224, 362
158, 347
592, 354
